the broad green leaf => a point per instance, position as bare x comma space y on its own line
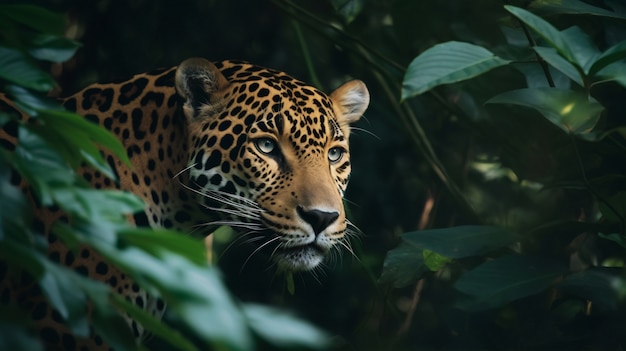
447, 63
613, 72
583, 47
595, 284
403, 266
498, 282
573, 7
35, 17
557, 61
569, 110
283, 330
613, 54
17, 68
53, 48
29, 102
545, 30
434, 261
462, 241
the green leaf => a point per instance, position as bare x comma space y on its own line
95, 205
462, 241
597, 285
155, 241
53, 48
29, 102
505, 279
613, 54
283, 330
435, 261
583, 47
613, 72
557, 61
447, 63
35, 17
545, 30
91, 132
17, 68
403, 265
573, 7
153, 324
569, 110
40, 165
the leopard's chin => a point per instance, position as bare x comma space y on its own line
300, 258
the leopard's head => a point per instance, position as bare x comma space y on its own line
273, 153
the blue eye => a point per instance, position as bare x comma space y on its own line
335, 154
265, 145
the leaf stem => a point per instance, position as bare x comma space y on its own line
592, 190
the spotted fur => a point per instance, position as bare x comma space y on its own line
209, 144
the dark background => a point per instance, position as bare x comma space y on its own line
392, 177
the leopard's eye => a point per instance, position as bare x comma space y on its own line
265, 145
335, 154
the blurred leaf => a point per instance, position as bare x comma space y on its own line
53, 48
505, 279
574, 7
447, 63
291, 286
156, 240
29, 102
97, 204
557, 61
107, 321
461, 241
283, 330
16, 217
153, 324
35, 17
435, 261
403, 265
569, 110
348, 9
545, 30
16, 337
613, 54
595, 284
72, 125
17, 68
613, 72
40, 165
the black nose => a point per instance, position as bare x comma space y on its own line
319, 220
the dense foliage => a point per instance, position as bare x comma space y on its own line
488, 177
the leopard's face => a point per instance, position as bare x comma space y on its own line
271, 155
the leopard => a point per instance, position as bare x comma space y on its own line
209, 143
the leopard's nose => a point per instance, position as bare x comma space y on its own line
319, 220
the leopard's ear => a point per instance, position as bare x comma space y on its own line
350, 101
198, 82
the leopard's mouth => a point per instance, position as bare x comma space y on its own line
300, 258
